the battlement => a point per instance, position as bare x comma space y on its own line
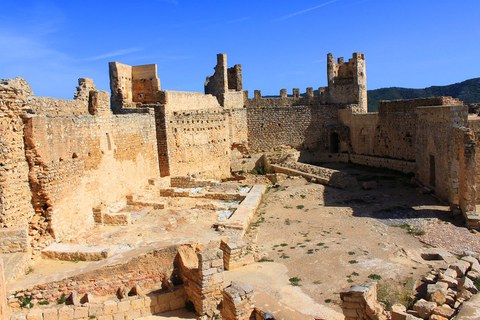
310, 97
226, 83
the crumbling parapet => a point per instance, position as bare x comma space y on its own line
85, 85
360, 303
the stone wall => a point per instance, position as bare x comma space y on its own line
360, 303
3, 293
300, 127
104, 159
193, 142
148, 271
184, 101
15, 196
438, 161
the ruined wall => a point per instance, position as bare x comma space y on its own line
437, 148
79, 162
15, 195
131, 84
238, 126
301, 127
196, 143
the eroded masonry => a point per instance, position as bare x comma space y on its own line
64, 164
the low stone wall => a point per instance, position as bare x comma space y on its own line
237, 304
131, 307
189, 182
12, 241
235, 254
393, 164
148, 271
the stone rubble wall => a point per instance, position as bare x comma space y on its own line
15, 206
150, 271
300, 127
236, 303
189, 182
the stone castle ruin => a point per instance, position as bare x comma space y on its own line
63, 162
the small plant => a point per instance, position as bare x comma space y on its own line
284, 256
62, 299
295, 281
44, 302
302, 196
415, 230
284, 244
310, 251
29, 270
349, 280
351, 253
288, 207
390, 293
375, 276
321, 244
287, 222
26, 302
300, 206
328, 300
355, 274
353, 261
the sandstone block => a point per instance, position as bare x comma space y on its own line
65, 313
467, 284
80, 312
460, 267
399, 315
424, 308
109, 307
35, 314
50, 314
444, 311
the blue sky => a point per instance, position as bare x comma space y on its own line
280, 44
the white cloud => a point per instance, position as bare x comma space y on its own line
297, 13
112, 54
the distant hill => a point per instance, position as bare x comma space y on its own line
468, 91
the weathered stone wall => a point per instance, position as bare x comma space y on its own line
15, 196
437, 148
145, 83
238, 126
149, 271
3, 294
301, 127
102, 160
360, 303
196, 142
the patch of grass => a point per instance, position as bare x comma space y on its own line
413, 230
265, 259
300, 206
29, 270
355, 274
44, 302
308, 240
375, 276
476, 282
317, 282
284, 256
351, 253
302, 246
302, 196
328, 300
284, 244
390, 293
321, 244
287, 222
353, 261
295, 281
288, 207
310, 251
349, 280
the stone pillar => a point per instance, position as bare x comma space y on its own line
3, 294
283, 93
257, 94
309, 92
360, 303
237, 304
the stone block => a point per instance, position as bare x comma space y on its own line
65, 313
424, 308
80, 312
110, 307
35, 314
50, 314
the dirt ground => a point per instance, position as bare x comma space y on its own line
330, 239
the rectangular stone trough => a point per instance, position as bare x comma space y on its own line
240, 220
76, 252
